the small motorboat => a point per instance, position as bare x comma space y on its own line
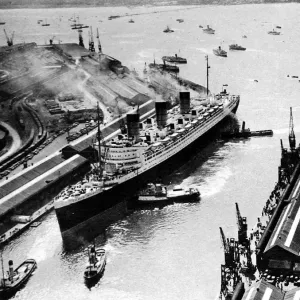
180, 20
178, 194
153, 194
16, 278
274, 32
208, 30
96, 265
279, 27
168, 30
200, 26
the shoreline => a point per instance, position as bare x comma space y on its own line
171, 4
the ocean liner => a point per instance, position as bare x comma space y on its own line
128, 161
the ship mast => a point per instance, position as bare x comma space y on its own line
207, 74
2, 270
99, 137
292, 138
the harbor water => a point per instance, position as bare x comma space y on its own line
175, 252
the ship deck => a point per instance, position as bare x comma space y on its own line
24, 185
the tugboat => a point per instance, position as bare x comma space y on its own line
168, 30
178, 194
174, 59
153, 194
274, 32
236, 47
159, 194
220, 52
95, 266
16, 278
164, 67
208, 30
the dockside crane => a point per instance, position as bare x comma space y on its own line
51, 40
242, 227
228, 251
80, 38
91, 41
99, 44
10, 40
292, 138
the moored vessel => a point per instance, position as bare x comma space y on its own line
150, 148
175, 59
15, 278
220, 52
164, 67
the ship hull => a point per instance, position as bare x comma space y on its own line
86, 219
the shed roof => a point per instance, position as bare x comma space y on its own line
19, 195
263, 290
286, 235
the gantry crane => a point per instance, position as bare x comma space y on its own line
242, 226
91, 40
99, 44
292, 138
10, 40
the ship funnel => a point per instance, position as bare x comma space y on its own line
292, 138
161, 113
185, 101
11, 269
243, 126
133, 121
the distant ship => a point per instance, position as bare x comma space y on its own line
174, 59
180, 20
2, 23
274, 32
164, 67
167, 30
130, 21
46, 24
208, 30
236, 47
279, 27
220, 52
113, 17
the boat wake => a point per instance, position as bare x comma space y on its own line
212, 183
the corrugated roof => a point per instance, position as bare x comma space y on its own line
9, 186
293, 294
262, 290
286, 235
29, 189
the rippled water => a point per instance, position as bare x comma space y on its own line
175, 252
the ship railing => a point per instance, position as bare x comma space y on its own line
180, 137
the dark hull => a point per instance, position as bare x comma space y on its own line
12, 289
92, 215
186, 198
